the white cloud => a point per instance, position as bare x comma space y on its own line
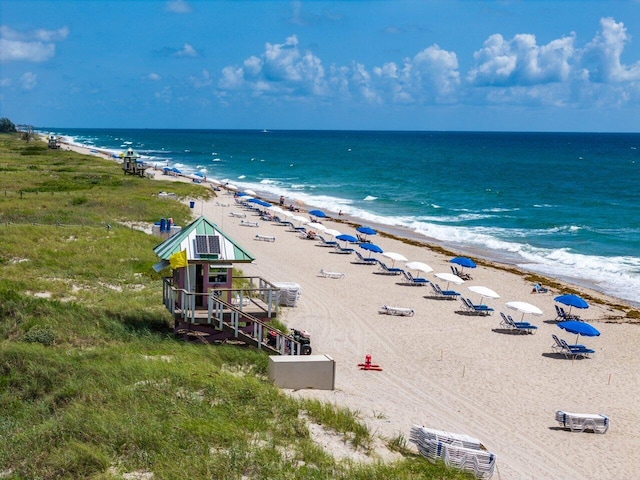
5, 82
32, 46
601, 56
520, 61
154, 77
281, 68
28, 81
12, 50
201, 81
178, 6
187, 51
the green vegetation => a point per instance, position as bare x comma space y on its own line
93, 384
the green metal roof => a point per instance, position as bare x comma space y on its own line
185, 239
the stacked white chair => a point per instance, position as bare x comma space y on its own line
455, 450
579, 422
288, 294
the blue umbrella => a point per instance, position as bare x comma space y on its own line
318, 213
572, 300
347, 238
371, 247
579, 328
366, 230
175, 170
199, 174
463, 262
242, 194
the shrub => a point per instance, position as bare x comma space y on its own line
40, 334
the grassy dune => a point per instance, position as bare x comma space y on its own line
92, 383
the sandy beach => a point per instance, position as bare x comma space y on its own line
454, 372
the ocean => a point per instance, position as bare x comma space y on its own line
566, 205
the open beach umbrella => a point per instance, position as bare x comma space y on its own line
317, 213
524, 308
366, 230
483, 291
298, 218
175, 170
463, 262
572, 300
316, 226
419, 266
243, 194
347, 238
579, 328
332, 232
394, 256
288, 214
449, 278
371, 248
250, 192
276, 209
229, 186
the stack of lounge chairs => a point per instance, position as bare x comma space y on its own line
288, 293
455, 450
579, 422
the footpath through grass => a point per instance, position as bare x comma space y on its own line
92, 383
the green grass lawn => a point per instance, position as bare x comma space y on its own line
92, 382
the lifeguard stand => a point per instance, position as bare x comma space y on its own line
131, 163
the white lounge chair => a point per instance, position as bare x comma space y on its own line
238, 215
326, 274
265, 238
245, 223
579, 422
401, 311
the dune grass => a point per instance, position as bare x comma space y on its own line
93, 384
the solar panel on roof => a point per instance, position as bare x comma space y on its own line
214, 244
207, 245
201, 244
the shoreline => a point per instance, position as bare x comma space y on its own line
402, 234
498, 258
449, 371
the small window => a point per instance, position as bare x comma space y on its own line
217, 275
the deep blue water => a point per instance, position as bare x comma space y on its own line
563, 204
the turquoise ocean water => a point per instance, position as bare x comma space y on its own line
566, 205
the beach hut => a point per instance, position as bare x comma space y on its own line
204, 296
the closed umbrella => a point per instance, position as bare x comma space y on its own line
484, 292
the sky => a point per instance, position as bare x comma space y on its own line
433, 65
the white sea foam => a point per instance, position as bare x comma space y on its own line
370, 198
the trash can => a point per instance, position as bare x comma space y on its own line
192, 204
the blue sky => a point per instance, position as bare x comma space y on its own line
378, 65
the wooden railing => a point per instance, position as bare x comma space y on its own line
221, 313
